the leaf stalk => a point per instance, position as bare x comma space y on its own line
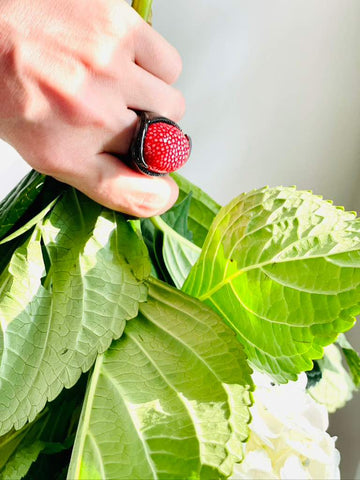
143, 8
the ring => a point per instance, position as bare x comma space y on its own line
159, 145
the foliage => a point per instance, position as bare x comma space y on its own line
282, 267
168, 395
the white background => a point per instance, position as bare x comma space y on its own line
273, 98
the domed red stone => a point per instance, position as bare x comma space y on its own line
166, 148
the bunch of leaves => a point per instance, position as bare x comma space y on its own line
160, 312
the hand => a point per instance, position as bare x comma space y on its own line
71, 75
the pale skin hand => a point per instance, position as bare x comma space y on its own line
72, 72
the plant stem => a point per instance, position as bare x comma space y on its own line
143, 8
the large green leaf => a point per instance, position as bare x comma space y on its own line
282, 267
202, 208
169, 400
65, 294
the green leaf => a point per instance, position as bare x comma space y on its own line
335, 388
22, 460
9, 444
202, 208
39, 448
169, 400
282, 267
12, 209
153, 238
177, 217
28, 225
352, 358
66, 293
179, 254
57, 431
15, 204
24, 206
168, 239
31, 196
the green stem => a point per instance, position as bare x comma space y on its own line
143, 8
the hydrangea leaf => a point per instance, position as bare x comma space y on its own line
153, 238
22, 208
335, 388
9, 444
31, 196
50, 434
178, 216
19, 464
202, 211
179, 254
282, 267
65, 294
15, 204
163, 236
352, 358
28, 225
168, 400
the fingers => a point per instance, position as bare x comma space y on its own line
119, 142
149, 93
113, 184
154, 54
